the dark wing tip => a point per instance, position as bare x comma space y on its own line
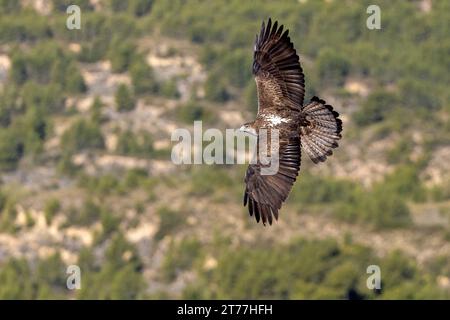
317, 99
336, 116
262, 212
270, 29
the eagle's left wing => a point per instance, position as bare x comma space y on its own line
276, 67
265, 194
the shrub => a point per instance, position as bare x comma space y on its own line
8, 217
8, 105
318, 190
89, 213
251, 97
121, 54
47, 98
102, 185
82, 135
11, 149
131, 144
9, 6
169, 89
333, 67
141, 7
380, 207
375, 108
44, 64
216, 89
120, 276
61, 5
180, 257
110, 224
125, 100
52, 206
192, 111
143, 78
202, 180
385, 209
417, 94
94, 50
96, 109
169, 221
400, 152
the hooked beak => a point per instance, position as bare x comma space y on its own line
248, 130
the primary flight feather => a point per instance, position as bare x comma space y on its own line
316, 127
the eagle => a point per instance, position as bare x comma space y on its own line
315, 127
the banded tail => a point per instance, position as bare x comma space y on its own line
321, 131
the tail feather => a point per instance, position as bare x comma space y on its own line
321, 130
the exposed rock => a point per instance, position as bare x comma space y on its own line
5, 64
357, 87
100, 79
438, 170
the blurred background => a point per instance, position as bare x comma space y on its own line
86, 177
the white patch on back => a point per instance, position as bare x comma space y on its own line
275, 120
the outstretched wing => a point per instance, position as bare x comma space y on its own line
276, 67
265, 194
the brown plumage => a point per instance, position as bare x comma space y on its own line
315, 127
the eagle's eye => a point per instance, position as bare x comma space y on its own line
248, 129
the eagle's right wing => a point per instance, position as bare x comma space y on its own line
264, 194
276, 67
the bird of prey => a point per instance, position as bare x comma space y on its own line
315, 127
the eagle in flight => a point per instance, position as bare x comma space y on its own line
314, 127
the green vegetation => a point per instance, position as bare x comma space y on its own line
138, 145
102, 185
89, 213
215, 89
169, 221
181, 257
404, 67
83, 134
8, 215
376, 108
11, 149
202, 180
169, 89
125, 100
47, 63
121, 55
52, 206
192, 111
46, 280
96, 110
384, 205
309, 270
143, 78
332, 67
119, 277
135, 7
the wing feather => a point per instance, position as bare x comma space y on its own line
322, 130
265, 194
276, 67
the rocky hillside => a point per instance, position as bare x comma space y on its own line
86, 118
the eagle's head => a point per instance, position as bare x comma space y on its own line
248, 128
